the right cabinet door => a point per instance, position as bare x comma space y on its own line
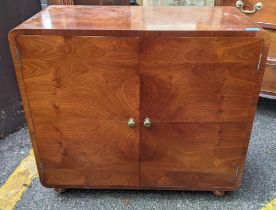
198, 94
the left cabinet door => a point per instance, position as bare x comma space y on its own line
81, 92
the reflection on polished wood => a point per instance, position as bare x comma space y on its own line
187, 77
129, 20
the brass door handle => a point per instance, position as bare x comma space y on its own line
147, 122
240, 4
131, 123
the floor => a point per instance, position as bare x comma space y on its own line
258, 188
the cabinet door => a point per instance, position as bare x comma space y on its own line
81, 93
198, 94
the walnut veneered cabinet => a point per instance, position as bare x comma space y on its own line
140, 97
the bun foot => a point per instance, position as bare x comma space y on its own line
218, 193
60, 190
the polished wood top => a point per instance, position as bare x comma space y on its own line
138, 19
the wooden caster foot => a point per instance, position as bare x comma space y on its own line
60, 190
218, 193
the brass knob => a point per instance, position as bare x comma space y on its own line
131, 123
147, 122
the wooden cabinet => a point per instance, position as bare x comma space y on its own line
136, 102
265, 17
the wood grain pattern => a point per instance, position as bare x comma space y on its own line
193, 95
192, 155
80, 109
222, 71
199, 85
134, 21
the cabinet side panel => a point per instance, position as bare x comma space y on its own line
27, 111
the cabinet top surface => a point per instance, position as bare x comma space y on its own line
136, 18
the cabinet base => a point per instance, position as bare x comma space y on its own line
60, 190
218, 193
